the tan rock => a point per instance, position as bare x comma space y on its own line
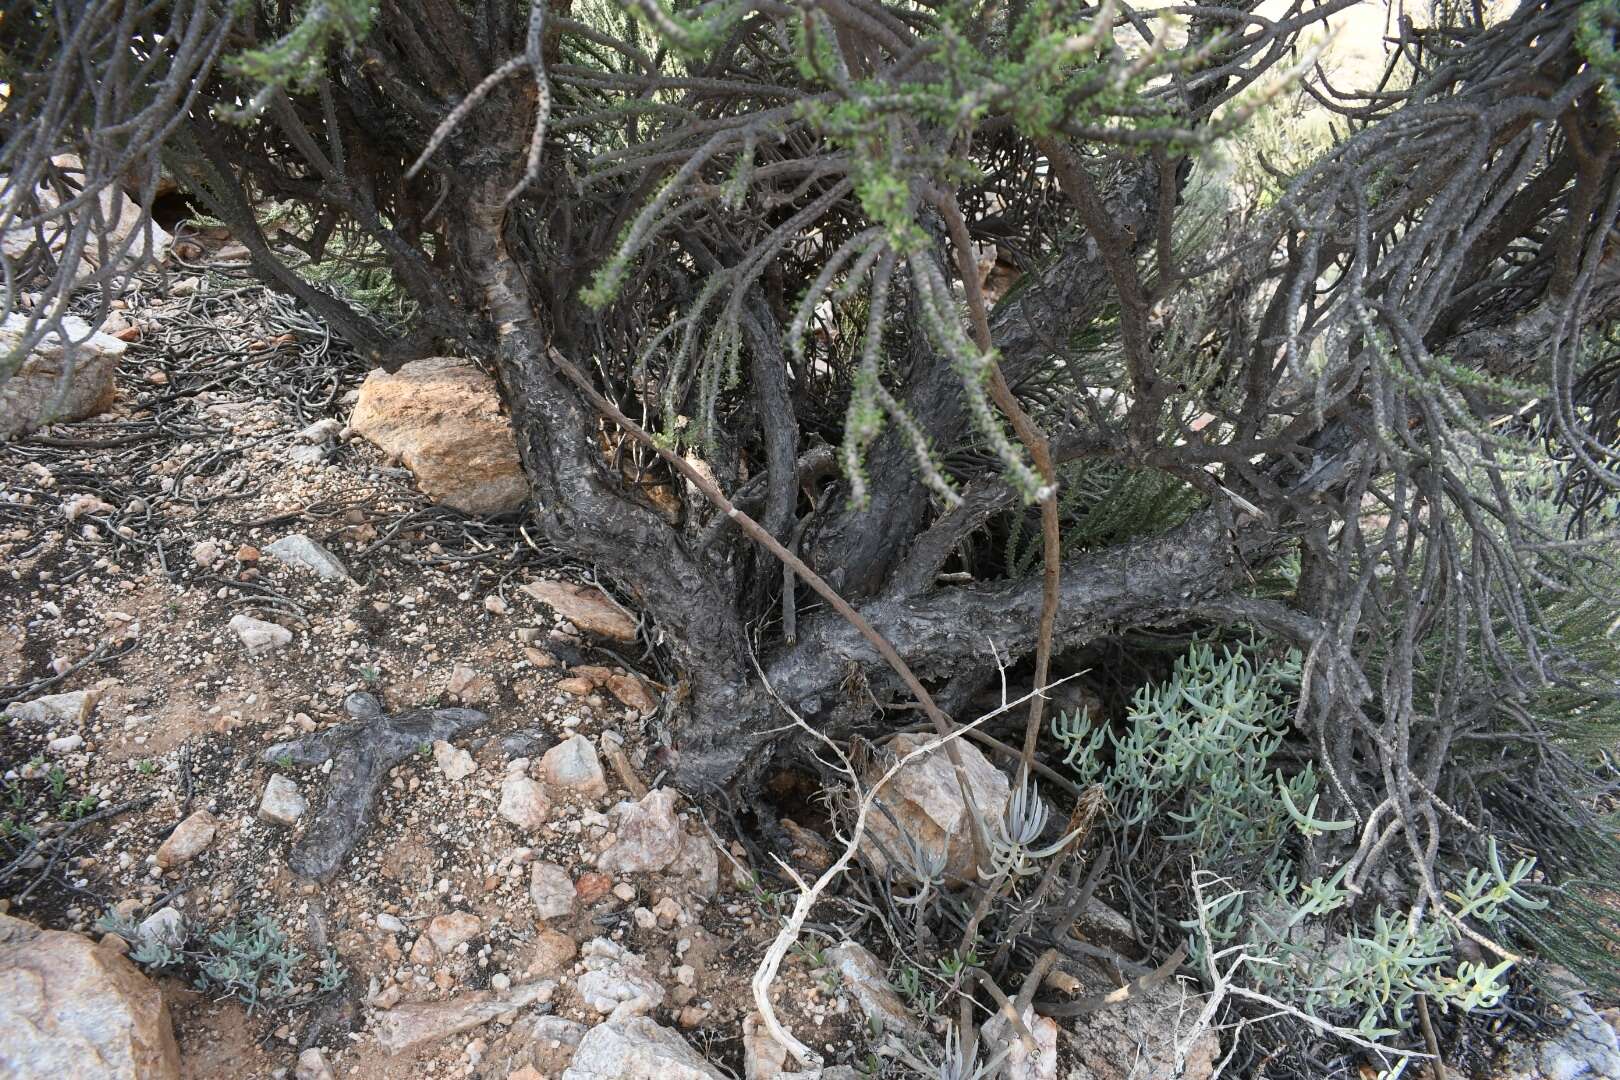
763, 1057
585, 607
456, 928
146, 239
188, 840
312, 1066
469, 686
667, 912
441, 417
926, 800
648, 835
632, 693
454, 762
43, 390
591, 888
810, 849
71, 1008
553, 952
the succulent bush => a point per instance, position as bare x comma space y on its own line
252, 960
1197, 783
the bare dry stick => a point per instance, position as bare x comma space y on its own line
1040, 451
942, 723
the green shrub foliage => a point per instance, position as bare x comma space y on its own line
1195, 775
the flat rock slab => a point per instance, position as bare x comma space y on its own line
585, 607
296, 549
407, 1026
74, 708
864, 974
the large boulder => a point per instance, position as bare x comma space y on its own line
923, 804
637, 1049
442, 418
43, 391
71, 1008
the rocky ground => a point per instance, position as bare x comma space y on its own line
316, 763
213, 570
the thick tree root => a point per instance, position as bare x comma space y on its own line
361, 753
